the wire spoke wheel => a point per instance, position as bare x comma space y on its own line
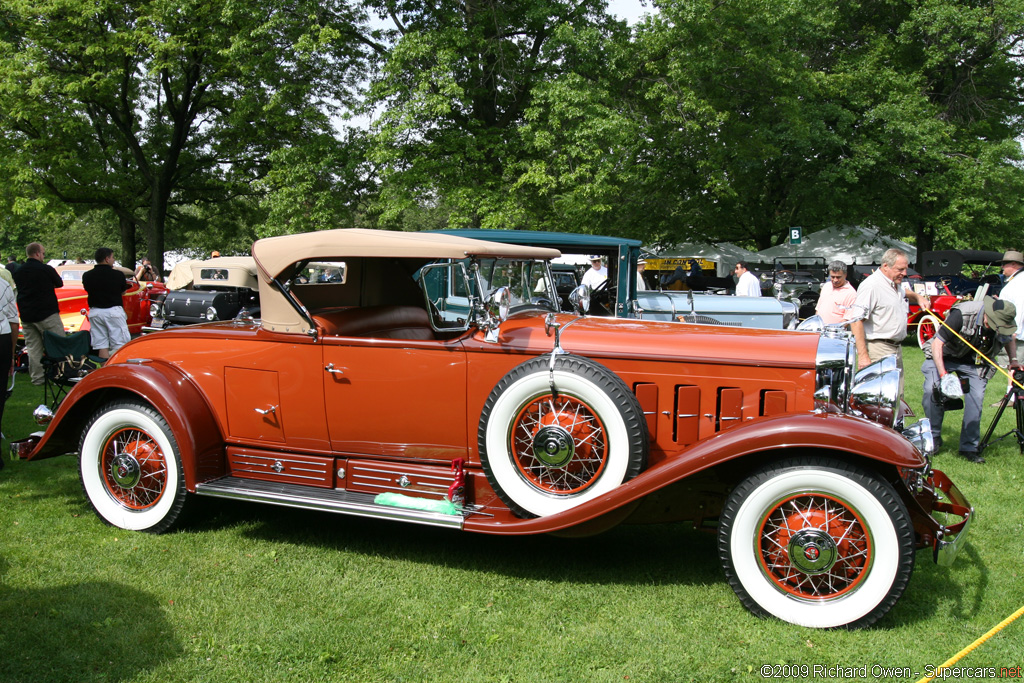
131, 467
134, 469
927, 326
555, 435
815, 547
817, 542
559, 444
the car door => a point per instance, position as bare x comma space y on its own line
396, 397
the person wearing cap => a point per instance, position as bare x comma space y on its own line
986, 326
1013, 291
641, 284
214, 254
596, 275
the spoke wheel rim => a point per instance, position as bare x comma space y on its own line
558, 445
134, 469
814, 547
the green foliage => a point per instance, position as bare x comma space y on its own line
141, 108
898, 114
454, 94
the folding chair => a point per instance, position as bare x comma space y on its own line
66, 361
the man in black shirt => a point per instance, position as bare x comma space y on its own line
108, 324
37, 306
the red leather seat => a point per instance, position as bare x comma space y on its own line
376, 322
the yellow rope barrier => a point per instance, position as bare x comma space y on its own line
970, 648
988, 360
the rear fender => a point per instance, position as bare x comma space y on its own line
165, 388
856, 439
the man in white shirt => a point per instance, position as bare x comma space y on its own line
1013, 291
641, 284
748, 284
882, 302
596, 275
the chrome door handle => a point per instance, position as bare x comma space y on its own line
333, 370
268, 411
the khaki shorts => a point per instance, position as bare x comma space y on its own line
108, 328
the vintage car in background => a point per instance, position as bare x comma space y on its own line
72, 298
941, 275
357, 396
794, 278
221, 288
619, 296
960, 272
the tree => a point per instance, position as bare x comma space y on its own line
454, 93
142, 108
809, 113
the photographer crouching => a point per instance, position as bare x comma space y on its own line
957, 366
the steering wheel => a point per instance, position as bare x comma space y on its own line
604, 296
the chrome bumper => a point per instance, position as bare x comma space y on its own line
949, 539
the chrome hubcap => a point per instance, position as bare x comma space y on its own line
553, 446
125, 470
812, 551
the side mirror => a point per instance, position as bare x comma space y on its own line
497, 306
580, 299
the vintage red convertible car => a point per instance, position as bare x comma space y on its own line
432, 380
72, 299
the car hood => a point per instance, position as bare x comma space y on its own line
626, 338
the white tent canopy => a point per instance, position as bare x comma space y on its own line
850, 244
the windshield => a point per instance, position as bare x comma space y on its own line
529, 282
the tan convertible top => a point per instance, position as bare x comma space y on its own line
275, 255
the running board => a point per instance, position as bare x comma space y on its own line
325, 500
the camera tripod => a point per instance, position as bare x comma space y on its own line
1015, 396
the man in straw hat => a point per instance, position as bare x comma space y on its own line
986, 326
1013, 291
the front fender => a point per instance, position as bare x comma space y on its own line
857, 437
161, 385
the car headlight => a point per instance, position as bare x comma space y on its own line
876, 391
211, 313
833, 373
920, 434
154, 310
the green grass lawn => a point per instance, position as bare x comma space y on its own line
259, 593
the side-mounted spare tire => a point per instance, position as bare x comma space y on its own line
547, 451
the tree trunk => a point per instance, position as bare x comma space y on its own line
127, 230
157, 220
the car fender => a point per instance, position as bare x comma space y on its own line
853, 436
170, 391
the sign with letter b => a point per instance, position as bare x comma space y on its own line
795, 235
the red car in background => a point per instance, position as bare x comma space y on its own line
74, 306
924, 323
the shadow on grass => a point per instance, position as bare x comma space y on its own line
661, 554
93, 631
629, 555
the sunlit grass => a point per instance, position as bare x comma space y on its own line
256, 593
